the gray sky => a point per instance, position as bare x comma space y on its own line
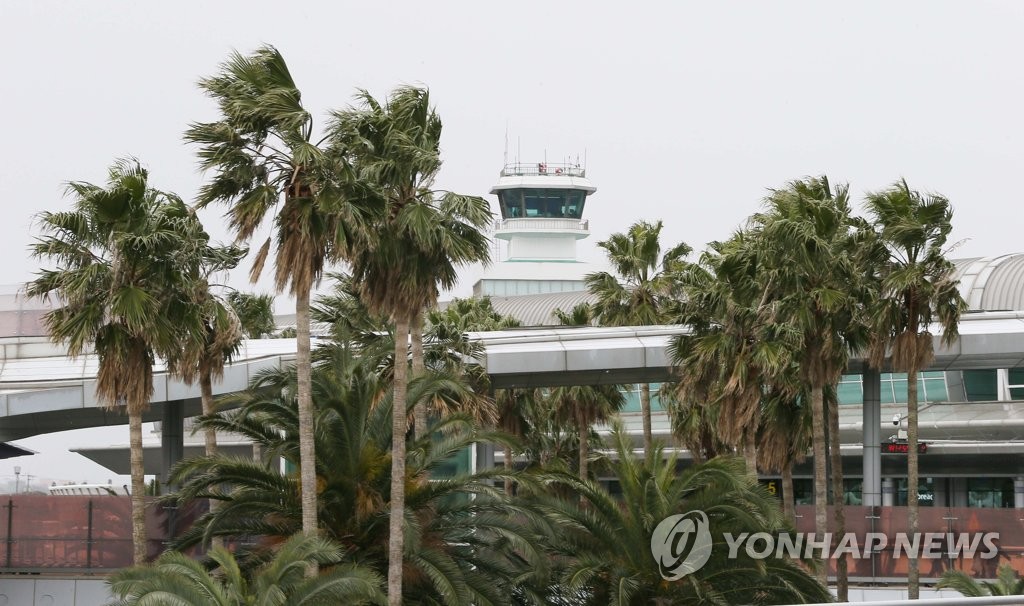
687, 112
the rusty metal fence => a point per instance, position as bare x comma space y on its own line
40, 533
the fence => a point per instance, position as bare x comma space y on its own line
40, 533
946, 525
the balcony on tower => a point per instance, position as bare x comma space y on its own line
542, 210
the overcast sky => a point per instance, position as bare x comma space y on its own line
686, 112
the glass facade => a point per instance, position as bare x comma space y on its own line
931, 387
542, 203
989, 492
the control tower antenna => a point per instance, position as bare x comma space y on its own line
506, 142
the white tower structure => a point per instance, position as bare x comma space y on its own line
541, 221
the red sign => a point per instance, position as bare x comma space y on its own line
902, 447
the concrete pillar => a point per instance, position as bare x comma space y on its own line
1018, 492
958, 492
888, 492
172, 450
172, 439
872, 423
484, 456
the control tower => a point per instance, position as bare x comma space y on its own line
541, 220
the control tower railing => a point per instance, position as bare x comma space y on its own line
543, 169
542, 223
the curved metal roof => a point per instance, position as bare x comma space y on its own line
539, 310
992, 283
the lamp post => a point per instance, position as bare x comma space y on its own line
17, 477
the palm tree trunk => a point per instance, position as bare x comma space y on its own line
399, 426
420, 410
209, 435
645, 410
788, 501
584, 430
138, 472
913, 570
307, 452
508, 469
820, 481
838, 497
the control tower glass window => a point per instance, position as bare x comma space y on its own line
542, 203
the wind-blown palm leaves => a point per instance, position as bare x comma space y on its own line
917, 289
604, 544
176, 579
125, 258
735, 347
466, 541
641, 299
1008, 582
812, 249
266, 164
423, 237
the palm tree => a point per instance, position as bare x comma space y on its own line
784, 436
467, 543
605, 542
124, 257
176, 579
423, 239
1008, 582
917, 289
255, 313
734, 348
449, 326
585, 405
264, 159
814, 251
695, 424
647, 280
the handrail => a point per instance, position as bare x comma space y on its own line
997, 600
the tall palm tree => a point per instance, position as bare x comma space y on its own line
814, 250
203, 361
584, 405
176, 579
423, 237
124, 260
604, 543
636, 295
449, 326
266, 164
917, 290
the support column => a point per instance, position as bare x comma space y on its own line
872, 422
484, 456
172, 439
888, 492
1018, 492
172, 450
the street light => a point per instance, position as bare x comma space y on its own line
17, 477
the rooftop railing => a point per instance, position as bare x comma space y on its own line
543, 169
